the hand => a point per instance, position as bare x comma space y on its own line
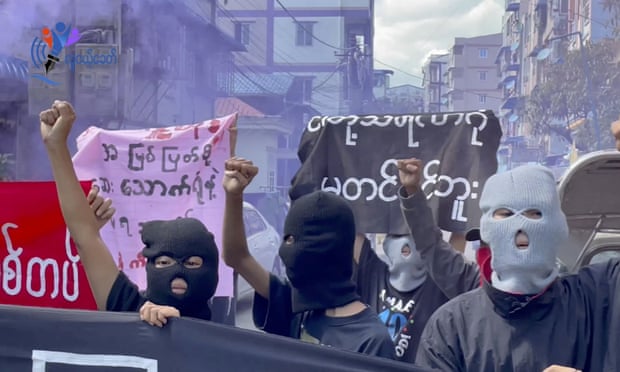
157, 315
615, 130
556, 368
409, 174
238, 175
56, 123
102, 208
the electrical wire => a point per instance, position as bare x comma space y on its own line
308, 32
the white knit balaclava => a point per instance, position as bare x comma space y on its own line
529, 187
406, 273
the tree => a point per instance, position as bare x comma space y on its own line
564, 95
613, 8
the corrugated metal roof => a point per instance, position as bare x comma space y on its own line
261, 84
13, 68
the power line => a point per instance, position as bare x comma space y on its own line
398, 69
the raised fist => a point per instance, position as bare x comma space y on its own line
56, 123
238, 174
410, 174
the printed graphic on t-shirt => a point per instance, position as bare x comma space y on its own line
397, 315
307, 337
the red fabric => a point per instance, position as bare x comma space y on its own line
33, 247
483, 258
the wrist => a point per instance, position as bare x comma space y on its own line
411, 190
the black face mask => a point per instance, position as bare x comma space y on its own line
180, 239
319, 233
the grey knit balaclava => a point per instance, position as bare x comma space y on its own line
530, 187
406, 272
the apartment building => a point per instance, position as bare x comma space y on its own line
472, 73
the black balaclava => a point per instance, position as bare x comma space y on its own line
181, 239
319, 233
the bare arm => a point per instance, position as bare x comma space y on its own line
357, 247
83, 226
235, 252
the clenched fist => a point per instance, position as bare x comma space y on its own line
238, 174
56, 123
410, 174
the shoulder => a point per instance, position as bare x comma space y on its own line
458, 310
124, 295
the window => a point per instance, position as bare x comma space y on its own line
435, 72
304, 33
483, 53
306, 90
482, 98
242, 32
253, 222
483, 75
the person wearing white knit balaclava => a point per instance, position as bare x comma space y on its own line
526, 317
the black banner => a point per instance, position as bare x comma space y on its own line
53, 340
354, 156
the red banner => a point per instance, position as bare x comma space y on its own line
39, 264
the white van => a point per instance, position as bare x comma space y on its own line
590, 195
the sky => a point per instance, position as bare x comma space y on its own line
407, 31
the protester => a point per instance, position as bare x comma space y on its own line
400, 291
318, 303
615, 130
182, 258
524, 317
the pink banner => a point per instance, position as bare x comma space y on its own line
158, 174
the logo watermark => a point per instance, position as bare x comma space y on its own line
45, 52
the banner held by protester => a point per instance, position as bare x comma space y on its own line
44, 340
158, 174
39, 265
355, 157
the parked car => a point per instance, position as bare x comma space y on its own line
263, 243
590, 195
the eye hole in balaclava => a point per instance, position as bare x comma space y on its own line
523, 223
182, 266
407, 270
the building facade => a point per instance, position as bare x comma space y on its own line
303, 59
472, 73
435, 82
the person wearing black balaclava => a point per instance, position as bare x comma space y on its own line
182, 258
525, 316
318, 302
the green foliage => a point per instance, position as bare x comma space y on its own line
613, 8
564, 95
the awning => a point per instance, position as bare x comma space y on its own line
261, 84
230, 105
510, 103
12, 68
500, 53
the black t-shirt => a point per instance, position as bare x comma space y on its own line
404, 313
362, 332
124, 295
